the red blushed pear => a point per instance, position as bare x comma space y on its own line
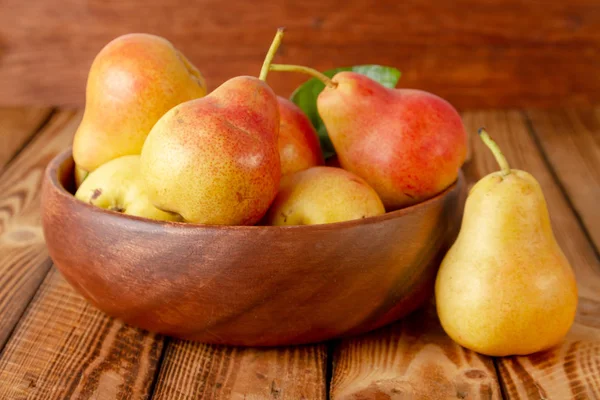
215, 160
134, 80
407, 144
299, 147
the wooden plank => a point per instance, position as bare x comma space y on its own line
411, 359
200, 371
17, 126
572, 369
570, 140
499, 53
64, 348
24, 261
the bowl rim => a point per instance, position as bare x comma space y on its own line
51, 175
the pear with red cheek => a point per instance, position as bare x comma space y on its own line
407, 144
133, 81
299, 147
215, 160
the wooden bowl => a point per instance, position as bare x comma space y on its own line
248, 285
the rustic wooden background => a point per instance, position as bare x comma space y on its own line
475, 53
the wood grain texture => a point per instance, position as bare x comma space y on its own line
17, 126
192, 370
24, 258
570, 140
474, 53
64, 348
572, 369
411, 359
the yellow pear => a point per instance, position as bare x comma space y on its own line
133, 81
323, 195
118, 186
505, 287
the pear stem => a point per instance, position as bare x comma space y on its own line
271, 54
489, 142
305, 70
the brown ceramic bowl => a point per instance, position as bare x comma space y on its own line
248, 285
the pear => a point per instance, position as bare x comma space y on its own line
299, 146
133, 81
215, 160
505, 287
407, 144
323, 195
118, 186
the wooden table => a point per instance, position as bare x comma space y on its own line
55, 346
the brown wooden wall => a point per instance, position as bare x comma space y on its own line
476, 53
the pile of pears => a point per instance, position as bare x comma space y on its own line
152, 143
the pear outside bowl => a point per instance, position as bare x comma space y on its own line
248, 285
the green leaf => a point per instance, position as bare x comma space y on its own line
305, 96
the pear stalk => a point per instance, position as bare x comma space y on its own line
305, 70
489, 142
271, 54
